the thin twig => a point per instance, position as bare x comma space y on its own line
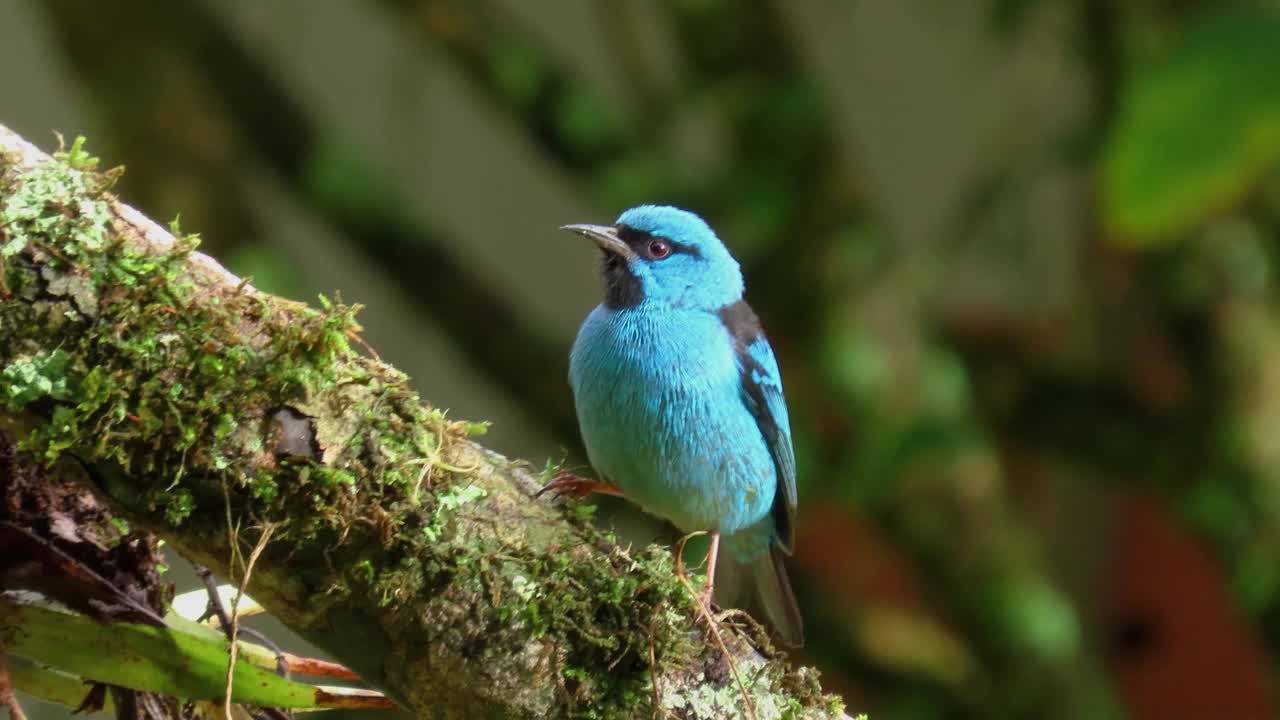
263, 539
653, 668
359, 340
233, 531
711, 624
7, 696
214, 606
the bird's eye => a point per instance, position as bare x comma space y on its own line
659, 248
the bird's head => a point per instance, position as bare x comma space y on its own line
662, 256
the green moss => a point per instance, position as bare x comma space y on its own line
76, 157
177, 505
155, 372
446, 504
57, 201
43, 375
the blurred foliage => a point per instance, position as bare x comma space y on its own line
1199, 126
1039, 453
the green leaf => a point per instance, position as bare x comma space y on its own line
50, 685
1197, 128
142, 657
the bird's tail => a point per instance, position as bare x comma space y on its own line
761, 588
774, 596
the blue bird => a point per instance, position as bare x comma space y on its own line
679, 398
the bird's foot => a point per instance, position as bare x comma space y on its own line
566, 483
705, 596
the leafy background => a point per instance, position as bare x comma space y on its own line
1016, 257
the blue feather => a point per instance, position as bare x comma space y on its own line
679, 396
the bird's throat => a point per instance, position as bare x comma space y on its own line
622, 288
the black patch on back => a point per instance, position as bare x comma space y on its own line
744, 327
621, 288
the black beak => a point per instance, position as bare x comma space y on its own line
605, 236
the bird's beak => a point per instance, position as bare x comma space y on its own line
605, 236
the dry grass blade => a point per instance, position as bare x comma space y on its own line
7, 696
263, 539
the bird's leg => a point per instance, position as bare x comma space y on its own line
566, 483
712, 553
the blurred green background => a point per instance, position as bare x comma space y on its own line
1016, 258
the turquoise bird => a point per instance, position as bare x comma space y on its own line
679, 399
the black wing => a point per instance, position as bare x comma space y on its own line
762, 394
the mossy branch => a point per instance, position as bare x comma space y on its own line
204, 410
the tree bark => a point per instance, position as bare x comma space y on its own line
204, 410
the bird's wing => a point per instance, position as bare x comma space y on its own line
762, 394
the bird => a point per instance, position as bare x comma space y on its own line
679, 400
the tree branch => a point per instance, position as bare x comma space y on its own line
204, 410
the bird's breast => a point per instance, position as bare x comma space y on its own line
661, 413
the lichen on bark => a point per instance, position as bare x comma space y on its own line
205, 410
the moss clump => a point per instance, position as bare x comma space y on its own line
165, 373
43, 375
72, 192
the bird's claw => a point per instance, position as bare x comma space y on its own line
575, 486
